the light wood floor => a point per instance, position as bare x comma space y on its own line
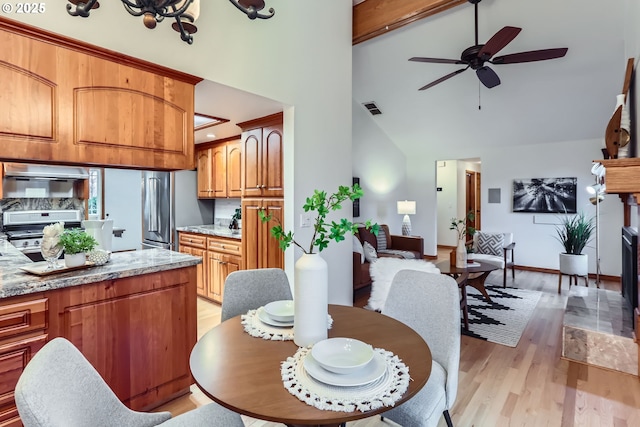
502, 386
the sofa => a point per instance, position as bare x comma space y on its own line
411, 247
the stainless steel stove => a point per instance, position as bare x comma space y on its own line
24, 228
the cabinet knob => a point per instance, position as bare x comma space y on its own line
258, 186
263, 186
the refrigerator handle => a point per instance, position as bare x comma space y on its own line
153, 220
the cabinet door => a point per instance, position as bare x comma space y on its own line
215, 276
203, 163
14, 356
30, 98
252, 165
139, 343
229, 264
271, 256
219, 171
251, 229
234, 169
272, 171
200, 285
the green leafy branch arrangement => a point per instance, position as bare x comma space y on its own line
460, 225
323, 231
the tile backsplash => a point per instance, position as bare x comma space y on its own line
224, 210
7, 205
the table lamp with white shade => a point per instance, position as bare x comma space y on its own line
406, 208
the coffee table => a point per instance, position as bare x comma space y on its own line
474, 281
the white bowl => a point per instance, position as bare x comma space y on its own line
342, 355
282, 311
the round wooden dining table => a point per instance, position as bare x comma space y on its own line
242, 372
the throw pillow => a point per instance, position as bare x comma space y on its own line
357, 247
369, 252
382, 239
490, 243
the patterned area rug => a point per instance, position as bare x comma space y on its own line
503, 320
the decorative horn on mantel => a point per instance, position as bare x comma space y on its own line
617, 132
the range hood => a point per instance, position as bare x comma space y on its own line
45, 172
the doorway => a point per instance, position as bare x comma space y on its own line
472, 197
458, 183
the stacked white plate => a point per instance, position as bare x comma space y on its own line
344, 362
277, 313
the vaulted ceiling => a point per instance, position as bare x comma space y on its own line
564, 99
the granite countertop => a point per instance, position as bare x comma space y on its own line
14, 281
212, 230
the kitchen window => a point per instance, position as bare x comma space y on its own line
95, 194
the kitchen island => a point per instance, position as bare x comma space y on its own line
133, 318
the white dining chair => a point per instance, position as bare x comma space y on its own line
60, 388
246, 290
429, 304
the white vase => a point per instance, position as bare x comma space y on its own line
75, 260
574, 264
461, 255
310, 300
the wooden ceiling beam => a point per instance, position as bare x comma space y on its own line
372, 18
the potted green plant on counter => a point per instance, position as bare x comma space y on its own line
573, 233
76, 243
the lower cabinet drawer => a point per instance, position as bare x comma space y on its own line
14, 356
230, 247
19, 317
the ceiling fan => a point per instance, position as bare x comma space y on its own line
476, 56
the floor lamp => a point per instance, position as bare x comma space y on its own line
597, 190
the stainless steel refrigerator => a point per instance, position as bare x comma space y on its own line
168, 201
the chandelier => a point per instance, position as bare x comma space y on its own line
185, 12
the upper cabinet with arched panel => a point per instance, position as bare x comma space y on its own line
64, 101
263, 172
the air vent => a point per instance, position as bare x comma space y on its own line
373, 108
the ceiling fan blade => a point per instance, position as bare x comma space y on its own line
530, 56
437, 60
441, 79
488, 77
498, 41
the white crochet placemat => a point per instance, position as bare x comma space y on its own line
384, 391
256, 328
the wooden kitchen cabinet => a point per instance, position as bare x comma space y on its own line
137, 332
196, 245
23, 331
219, 173
259, 248
225, 257
263, 170
66, 101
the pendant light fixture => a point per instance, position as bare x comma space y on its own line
185, 12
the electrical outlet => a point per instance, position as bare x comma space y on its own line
305, 219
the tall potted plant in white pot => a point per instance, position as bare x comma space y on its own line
311, 276
574, 232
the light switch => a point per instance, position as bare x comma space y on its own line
305, 219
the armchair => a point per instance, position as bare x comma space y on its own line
386, 245
496, 249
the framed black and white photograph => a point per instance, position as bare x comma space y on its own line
545, 195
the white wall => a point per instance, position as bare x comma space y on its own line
446, 201
301, 57
380, 165
123, 204
536, 245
